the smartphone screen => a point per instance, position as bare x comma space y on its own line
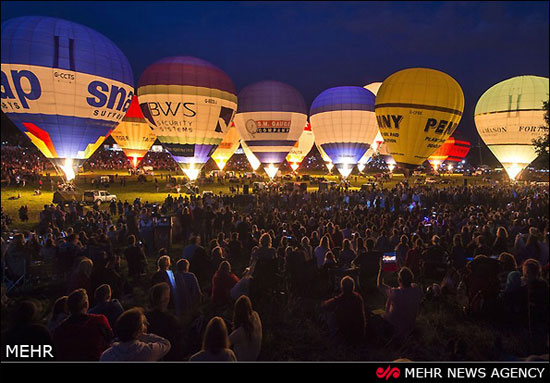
390, 261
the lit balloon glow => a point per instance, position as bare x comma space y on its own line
344, 124
64, 85
228, 146
325, 157
417, 110
301, 149
189, 103
459, 151
270, 118
509, 116
252, 159
133, 134
441, 154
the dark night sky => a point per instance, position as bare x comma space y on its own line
317, 45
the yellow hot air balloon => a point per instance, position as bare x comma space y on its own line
254, 161
133, 134
509, 116
301, 148
417, 110
225, 150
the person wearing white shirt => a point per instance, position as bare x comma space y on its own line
246, 339
134, 344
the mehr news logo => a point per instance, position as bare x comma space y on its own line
390, 372
28, 351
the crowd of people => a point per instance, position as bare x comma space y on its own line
241, 259
20, 166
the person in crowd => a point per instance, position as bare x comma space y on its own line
368, 266
347, 322
188, 291
133, 342
402, 303
215, 345
135, 257
347, 255
222, 283
321, 251
246, 338
104, 305
81, 277
59, 313
164, 323
82, 336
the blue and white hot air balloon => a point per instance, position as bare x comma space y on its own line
270, 118
64, 85
344, 124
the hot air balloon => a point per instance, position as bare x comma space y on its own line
227, 147
133, 134
459, 151
385, 154
254, 161
189, 103
301, 148
64, 85
509, 116
344, 124
271, 117
441, 154
417, 110
373, 87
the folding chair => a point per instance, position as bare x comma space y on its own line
12, 283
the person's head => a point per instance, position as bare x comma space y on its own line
507, 262
502, 232
60, 307
404, 239
215, 336
77, 302
436, 240
131, 324
131, 240
182, 266
347, 284
265, 240
163, 263
18, 239
224, 267
330, 258
346, 244
325, 242
405, 277
480, 240
103, 293
457, 240
26, 312
159, 296
217, 253
85, 267
370, 244
242, 314
419, 243
531, 270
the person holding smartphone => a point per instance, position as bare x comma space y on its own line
402, 303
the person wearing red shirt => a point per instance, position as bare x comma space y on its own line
222, 283
348, 313
81, 336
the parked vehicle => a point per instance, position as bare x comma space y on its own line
92, 196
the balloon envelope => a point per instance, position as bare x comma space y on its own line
133, 134
64, 85
301, 149
509, 116
417, 110
189, 103
270, 118
459, 151
227, 147
344, 124
441, 154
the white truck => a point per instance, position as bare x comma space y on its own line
92, 196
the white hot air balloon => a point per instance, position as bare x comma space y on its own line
227, 147
509, 116
301, 148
